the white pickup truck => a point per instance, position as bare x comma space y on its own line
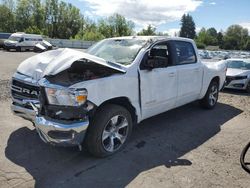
95, 98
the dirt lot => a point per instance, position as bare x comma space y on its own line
185, 147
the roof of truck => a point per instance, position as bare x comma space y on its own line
154, 38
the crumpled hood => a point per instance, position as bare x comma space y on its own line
55, 61
237, 72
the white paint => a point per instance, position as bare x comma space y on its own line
162, 89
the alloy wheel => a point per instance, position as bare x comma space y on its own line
213, 95
115, 133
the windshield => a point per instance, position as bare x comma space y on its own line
239, 65
122, 51
14, 38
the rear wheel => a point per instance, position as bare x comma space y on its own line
210, 99
109, 131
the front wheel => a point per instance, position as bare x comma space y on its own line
109, 131
18, 49
210, 99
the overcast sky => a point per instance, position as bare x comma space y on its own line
165, 14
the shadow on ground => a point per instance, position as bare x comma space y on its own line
161, 140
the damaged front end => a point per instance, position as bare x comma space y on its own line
63, 116
63, 113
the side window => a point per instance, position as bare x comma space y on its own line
160, 51
157, 57
185, 53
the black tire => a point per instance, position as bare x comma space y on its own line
102, 124
248, 87
208, 102
18, 49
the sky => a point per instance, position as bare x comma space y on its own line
165, 15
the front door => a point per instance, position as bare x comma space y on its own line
158, 85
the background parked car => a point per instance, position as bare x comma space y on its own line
22, 41
238, 74
43, 46
3, 37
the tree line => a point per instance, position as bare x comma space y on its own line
57, 19
234, 38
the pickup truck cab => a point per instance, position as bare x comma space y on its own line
96, 97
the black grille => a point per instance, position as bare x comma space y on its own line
231, 78
21, 90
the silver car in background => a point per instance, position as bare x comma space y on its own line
238, 74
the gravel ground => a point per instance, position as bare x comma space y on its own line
185, 147
4, 89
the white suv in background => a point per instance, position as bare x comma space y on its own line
22, 41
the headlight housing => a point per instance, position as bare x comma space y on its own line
240, 77
66, 97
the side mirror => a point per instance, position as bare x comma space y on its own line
149, 61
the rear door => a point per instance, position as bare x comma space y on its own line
189, 72
159, 85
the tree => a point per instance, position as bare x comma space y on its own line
187, 27
212, 32
51, 17
68, 21
10, 4
207, 37
7, 19
220, 39
88, 31
38, 12
33, 30
24, 14
235, 38
115, 26
63, 20
149, 31
247, 45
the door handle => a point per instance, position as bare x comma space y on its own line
196, 70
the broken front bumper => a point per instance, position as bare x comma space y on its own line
23, 112
61, 133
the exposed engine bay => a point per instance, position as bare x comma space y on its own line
81, 70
